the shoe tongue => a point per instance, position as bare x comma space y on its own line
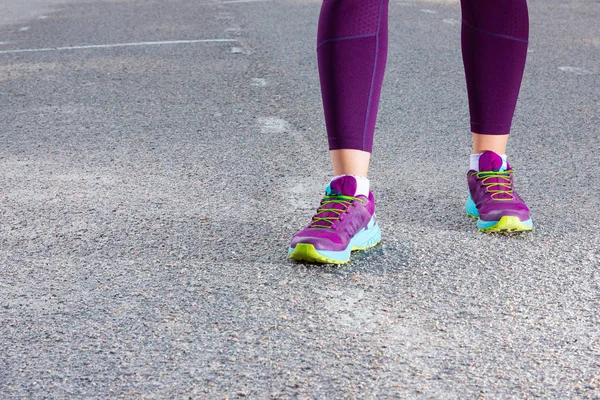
492, 162
344, 185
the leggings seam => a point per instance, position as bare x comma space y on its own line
498, 35
366, 35
373, 76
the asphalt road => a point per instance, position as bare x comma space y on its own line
148, 192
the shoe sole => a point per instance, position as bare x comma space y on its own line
505, 224
363, 240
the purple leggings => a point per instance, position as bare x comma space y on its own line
352, 45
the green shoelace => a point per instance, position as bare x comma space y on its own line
506, 185
325, 206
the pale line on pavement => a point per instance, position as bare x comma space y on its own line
108, 46
575, 70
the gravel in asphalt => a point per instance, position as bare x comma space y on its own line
148, 194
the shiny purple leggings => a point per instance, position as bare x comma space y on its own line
352, 44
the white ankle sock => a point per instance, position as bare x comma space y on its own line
474, 160
362, 184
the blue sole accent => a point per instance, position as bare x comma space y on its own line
471, 208
365, 238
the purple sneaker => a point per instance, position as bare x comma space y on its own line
492, 197
343, 222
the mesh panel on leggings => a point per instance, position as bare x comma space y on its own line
494, 47
353, 17
500, 17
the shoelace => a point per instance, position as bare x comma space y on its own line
503, 175
345, 201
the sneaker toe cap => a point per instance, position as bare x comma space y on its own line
320, 239
495, 213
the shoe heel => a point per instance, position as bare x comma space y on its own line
471, 208
368, 237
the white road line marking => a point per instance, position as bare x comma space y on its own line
108, 46
428, 11
575, 70
24, 29
451, 21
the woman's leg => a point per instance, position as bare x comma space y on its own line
350, 162
352, 52
352, 43
494, 46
